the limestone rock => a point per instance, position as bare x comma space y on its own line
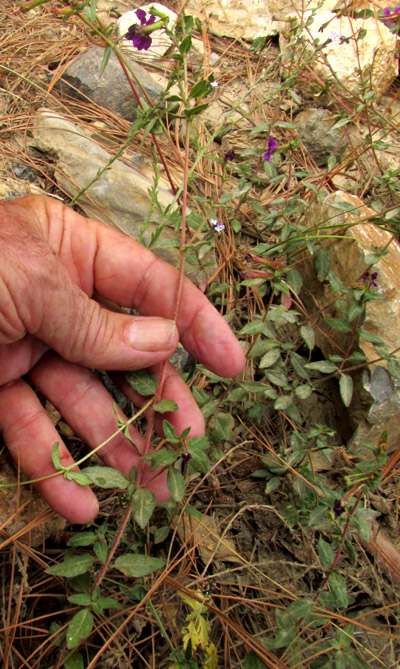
282, 8
376, 399
240, 19
120, 197
348, 262
160, 41
339, 54
314, 126
83, 80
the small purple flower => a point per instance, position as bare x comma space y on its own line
140, 39
272, 146
229, 155
370, 280
390, 13
338, 509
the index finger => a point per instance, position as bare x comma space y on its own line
127, 273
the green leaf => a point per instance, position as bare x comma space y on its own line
347, 207
193, 111
252, 386
336, 284
80, 626
294, 280
346, 389
80, 600
79, 564
55, 456
161, 534
169, 432
322, 264
165, 405
82, 539
143, 503
254, 327
137, 565
276, 377
303, 392
74, 661
106, 477
284, 637
176, 484
371, 337
143, 382
199, 461
338, 589
223, 425
105, 603
199, 89
272, 485
355, 309
323, 366
270, 358
78, 477
101, 550
252, 661
283, 402
162, 458
307, 333
338, 324
298, 362
185, 45
106, 58
325, 552
301, 608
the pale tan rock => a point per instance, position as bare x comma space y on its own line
376, 399
239, 19
120, 196
282, 8
339, 56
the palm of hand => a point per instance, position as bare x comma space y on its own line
52, 260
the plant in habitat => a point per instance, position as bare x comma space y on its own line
267, 553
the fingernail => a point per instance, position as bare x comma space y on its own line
151, 334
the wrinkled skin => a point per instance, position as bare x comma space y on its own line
52, 262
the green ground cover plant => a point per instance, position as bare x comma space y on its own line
263, 556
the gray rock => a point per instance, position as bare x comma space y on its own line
181, 359
314, 127
120, 196
83, 80
379, 384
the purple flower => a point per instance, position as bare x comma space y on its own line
272, 146
370, 280
390, 13
140, 39
338, 509
229, 155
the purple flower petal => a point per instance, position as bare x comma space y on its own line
142, 42
272, 144
267, 156
151, 20
141, 14
229, 155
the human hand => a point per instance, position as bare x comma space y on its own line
52, 261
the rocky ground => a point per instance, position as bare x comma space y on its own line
264, 534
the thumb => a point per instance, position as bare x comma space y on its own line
58, 312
